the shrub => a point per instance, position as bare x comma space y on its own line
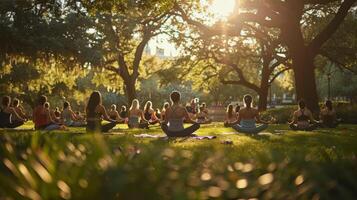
279, 115
346, 112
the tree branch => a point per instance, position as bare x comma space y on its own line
331, 28
278, 74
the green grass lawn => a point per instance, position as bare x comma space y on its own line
276, 164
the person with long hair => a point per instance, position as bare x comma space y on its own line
149, 114
16, 104
303, 119
114, 114
231, 117
202, 115
174, 119
9, 118
69, 117
328, 116
248, 117
136, 116
95, 112
192, 109
52, 113
163, 111
42, 117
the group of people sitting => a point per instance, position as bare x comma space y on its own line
244, 120
171, 118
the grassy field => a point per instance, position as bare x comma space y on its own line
276, 164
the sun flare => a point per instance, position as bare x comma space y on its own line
222, 8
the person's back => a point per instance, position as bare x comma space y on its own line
248, 117
67, 117
9, 118
40, 117
5, 118
302, 118
123, 114
95, 113
134, 116
328, 116
174, 118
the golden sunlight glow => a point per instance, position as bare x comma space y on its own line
222, 8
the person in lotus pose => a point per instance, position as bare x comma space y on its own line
69, 117
328, 116
248, 117
123, 114
202, 115
163, 111
114, 114
149, 114
9, 118
303, 119
231, 117
136, 117
95, 113
42, 117
19, 110
174, 118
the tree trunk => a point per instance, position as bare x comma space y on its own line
130, 90
263, 102
302, 65
263, 94
305, 83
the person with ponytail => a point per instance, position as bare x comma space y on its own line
328, 116
248, 117
95, 112
303, 119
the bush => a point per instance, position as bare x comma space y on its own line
346, 112
279, 115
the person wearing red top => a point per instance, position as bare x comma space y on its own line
42, 118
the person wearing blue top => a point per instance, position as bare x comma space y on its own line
248, 117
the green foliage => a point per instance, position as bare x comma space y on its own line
280, 115
346, 112
72, 165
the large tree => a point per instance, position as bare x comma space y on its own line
253, 59
123, 30
289, 18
